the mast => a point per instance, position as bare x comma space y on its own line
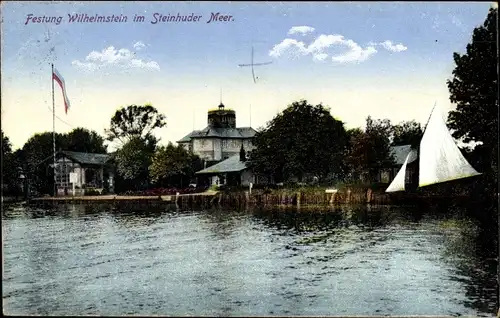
399, 181
416, 179
427, 123
53, 130
498, 152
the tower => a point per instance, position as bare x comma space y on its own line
222, 117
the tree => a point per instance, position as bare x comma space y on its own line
132, 162
173, 165
370, 151
474, 89
6, 145
9, 168
407, 133
243, 154
84, 140
135, 121
38, 153
350, 164
301, 139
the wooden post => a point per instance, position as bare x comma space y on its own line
368, 195
332, 198
348, 199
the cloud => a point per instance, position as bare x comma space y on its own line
324, 41
320, 56
114, 57
139, 45
290, 45
388, 45
301, 29
142, 64
320, 49
356, 53
87, 66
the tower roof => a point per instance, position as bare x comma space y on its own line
225, 133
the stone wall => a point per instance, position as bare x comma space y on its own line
219, 149
204, 148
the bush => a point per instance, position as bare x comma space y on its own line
91, 192
165, 191
214, 188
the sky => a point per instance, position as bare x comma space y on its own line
385, 60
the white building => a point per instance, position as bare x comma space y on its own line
232, 171
92, 170
220, 139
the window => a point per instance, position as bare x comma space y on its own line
234, 143
63, 168
384, 176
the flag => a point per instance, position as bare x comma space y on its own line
59, 79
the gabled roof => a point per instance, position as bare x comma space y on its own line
87, 158
231, 164
209, 131
401, 152
187, 138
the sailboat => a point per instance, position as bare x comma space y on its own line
440, 159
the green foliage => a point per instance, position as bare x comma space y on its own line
91, 192
37, 153
173, 165
302, 139
133, 126
474, 89
6, 146
407, 133
133, 160
369, 151
354, 147
213, 187
84, 140
135, 121
9, 169
243, 154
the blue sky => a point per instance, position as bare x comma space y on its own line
387, 59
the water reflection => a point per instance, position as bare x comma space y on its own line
159, 260
471, 245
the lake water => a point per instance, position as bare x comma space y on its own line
105, 260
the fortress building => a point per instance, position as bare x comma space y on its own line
220, 139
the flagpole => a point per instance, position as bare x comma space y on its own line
498, 181
53, 129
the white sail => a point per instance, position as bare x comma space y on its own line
440, 158
398, 184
